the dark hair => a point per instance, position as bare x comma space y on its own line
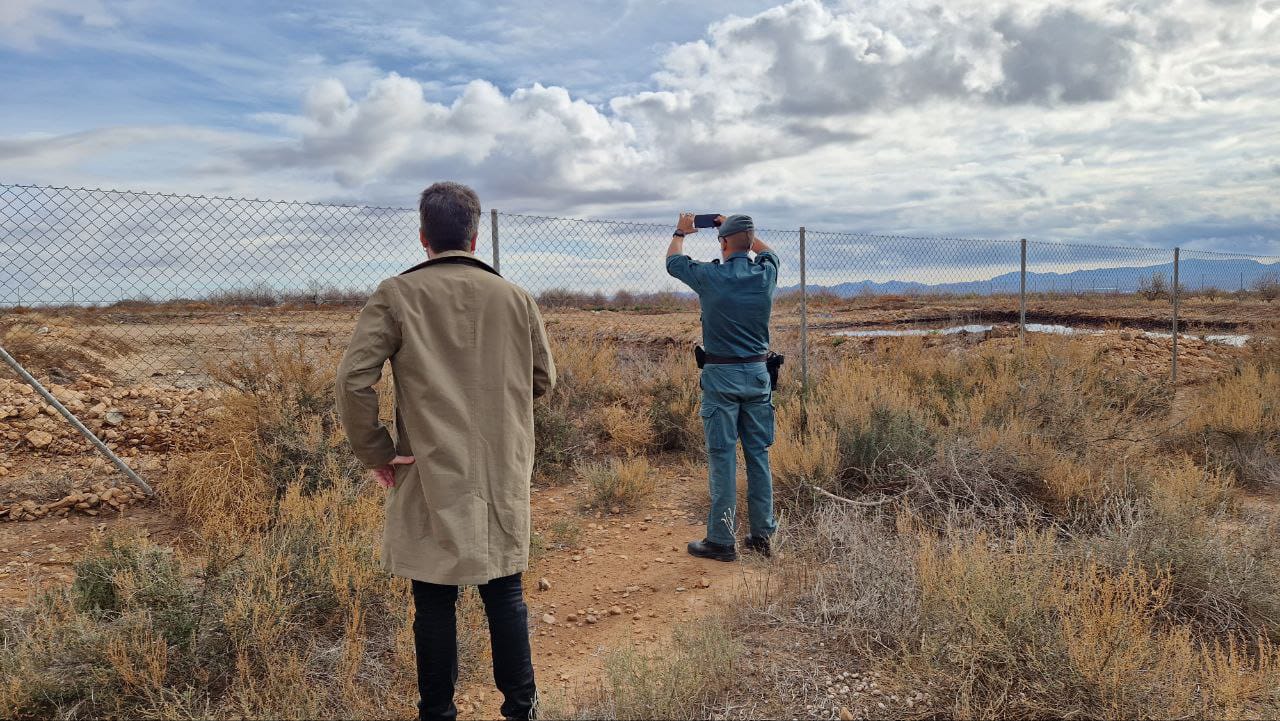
450, 215
739, 241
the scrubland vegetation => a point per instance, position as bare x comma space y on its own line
990, 531
1008, 533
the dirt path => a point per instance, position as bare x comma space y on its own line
627, 582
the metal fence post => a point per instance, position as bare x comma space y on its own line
1022, 295
75, 422
493, 225
804, 326
1176, 263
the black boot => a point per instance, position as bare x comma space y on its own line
759, 544
714, 551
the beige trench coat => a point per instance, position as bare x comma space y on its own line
468, 353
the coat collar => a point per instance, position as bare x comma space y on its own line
454, 256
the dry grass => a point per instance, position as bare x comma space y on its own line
629, 432
682, 680
278, 429
619, 483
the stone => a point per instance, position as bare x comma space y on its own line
615, 611
39, 439
544, 584
549, 619
704, 583
113, 418
591, 619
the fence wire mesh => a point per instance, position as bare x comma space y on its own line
144, 284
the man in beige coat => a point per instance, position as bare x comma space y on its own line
469, 353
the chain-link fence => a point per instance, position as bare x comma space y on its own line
143, 284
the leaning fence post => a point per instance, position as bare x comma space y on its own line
1022, 295
493, 225
1176, 262
75, 422
804, 330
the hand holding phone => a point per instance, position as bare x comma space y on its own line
708, 220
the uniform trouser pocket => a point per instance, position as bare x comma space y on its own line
719, 424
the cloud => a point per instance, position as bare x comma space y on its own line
1094, 119
24, 24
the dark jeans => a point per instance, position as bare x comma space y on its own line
435, 635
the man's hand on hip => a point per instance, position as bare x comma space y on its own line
386, 475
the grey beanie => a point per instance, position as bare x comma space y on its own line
736, 224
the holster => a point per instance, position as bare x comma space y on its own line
774, 364
700, 355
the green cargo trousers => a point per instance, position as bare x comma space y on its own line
737, 403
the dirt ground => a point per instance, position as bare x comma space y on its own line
145, 381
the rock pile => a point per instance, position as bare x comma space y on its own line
142, 418
91, 501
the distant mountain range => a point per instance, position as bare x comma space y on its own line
1194, 274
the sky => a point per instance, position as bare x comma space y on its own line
1142, 122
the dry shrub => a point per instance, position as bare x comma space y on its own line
588, 372
1223, 574
278, 429
1016, 629
559, 441
802, 458
628, 431
586, 379
674, 399
620, 483
682, 680
1237, 420
296, 620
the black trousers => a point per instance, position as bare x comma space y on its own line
435, 635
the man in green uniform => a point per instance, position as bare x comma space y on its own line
736, 295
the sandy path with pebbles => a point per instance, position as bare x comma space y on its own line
627, 582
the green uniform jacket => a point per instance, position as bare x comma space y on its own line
468, 353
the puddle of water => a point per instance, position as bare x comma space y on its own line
902, 332
1237, 341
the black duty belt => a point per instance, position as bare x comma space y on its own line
772, 361
725, 360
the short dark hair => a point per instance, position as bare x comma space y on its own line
449, 213
740, 241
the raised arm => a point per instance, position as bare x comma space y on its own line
683, 227
758, 246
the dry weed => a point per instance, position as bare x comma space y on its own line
620, 483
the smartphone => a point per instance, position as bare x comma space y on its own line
708, 220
